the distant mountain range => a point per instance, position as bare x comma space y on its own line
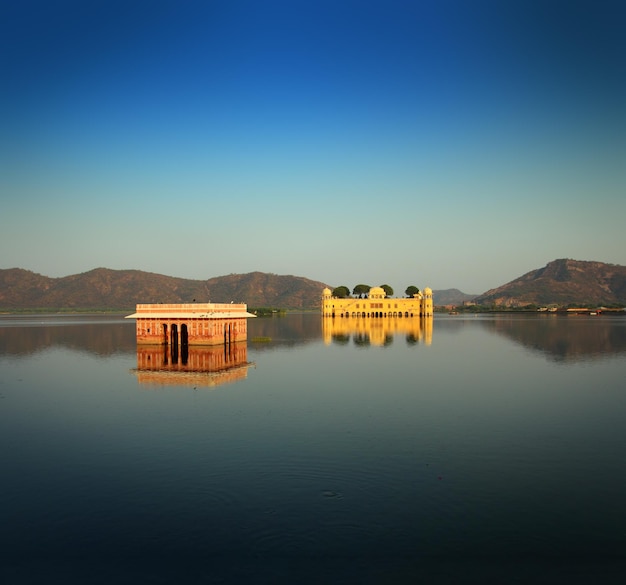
450, 296
559, 282
103, 288
562, 282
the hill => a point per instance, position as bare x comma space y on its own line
261, 289
450, 296
563, 282
103, 288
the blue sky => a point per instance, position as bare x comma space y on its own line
437, 143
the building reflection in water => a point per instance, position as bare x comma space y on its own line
205, 366
377, 331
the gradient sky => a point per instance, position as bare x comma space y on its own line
436, 143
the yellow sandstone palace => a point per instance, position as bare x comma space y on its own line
377, 305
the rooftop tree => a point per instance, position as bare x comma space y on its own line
341, 292
361, 290
411, 290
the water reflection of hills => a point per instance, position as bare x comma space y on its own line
376, 331
565, 338
102, 337
268, 333
198, 366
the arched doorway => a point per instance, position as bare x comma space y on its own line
174, 343
184, 344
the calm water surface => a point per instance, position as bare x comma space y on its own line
464, 449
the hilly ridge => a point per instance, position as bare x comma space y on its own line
450, 296
103, 288
562, 282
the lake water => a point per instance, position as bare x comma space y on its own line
459, 449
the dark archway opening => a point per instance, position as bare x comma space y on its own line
184, 344
227, 332
174, 343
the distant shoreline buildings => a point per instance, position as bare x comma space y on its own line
378, 305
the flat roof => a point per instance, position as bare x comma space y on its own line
188, 315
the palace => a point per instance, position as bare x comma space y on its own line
191, 323
377, 304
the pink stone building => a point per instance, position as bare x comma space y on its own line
191, 323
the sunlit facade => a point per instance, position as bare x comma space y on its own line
378, 305
191, 324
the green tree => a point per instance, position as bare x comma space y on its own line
341, 292
388, 290
411, 290
361, 289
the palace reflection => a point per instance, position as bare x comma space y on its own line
205, 366
377, 331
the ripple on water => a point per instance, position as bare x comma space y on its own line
316, 506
